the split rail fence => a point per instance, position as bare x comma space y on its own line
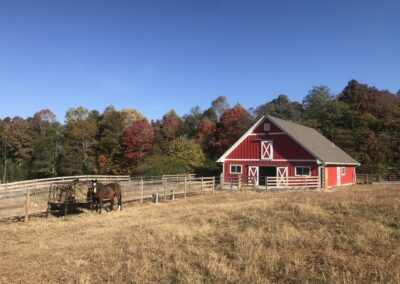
21, 199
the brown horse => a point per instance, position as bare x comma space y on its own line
102, 192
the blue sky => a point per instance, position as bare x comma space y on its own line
159, 55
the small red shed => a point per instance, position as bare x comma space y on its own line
273, 147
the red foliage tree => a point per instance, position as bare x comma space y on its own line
204, 134
137, 141
233, 123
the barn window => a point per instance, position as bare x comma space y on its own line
236, 169
343, 171
302, 171
267, 127
266, 150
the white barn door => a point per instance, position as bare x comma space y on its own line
253, 175
339, 176
281, 176
266, 150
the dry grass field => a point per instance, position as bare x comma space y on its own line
352, 235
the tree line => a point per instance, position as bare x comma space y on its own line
362, 120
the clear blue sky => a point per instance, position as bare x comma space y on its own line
159, 55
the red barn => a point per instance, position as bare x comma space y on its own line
278, 148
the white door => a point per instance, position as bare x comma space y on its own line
281, 176
338, 174
253, 175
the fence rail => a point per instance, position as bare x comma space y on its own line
15, 188
238, 181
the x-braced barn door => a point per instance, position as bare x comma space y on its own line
281, 176
253, 175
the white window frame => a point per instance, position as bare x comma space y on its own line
343, 171
267, 126
309, 171
235, 165
272, 149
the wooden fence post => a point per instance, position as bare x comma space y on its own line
221, 180
213, 185
164, 187
27, 204
266, 184
201, 185
141, 190
185, 189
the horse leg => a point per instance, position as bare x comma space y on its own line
101, 204
119, 201
112, 204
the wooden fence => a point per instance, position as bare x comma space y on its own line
26, 198
291, 182
377, 178
167, 188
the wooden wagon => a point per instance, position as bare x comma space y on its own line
68, 196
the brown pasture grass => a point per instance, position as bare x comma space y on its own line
350, 236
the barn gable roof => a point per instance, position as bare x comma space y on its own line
310, 139
313, 141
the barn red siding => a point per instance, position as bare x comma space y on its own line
283, 148
273, 127
349, 175
347, 178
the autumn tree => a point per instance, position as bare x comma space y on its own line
188, 151
234, 123
370, 118
204, 135
129, 116
46, 144
217, 108
165, 131
109, 147
79, 142
191, 122
280, 107
137, 141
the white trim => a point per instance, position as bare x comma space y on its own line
309, 171
269, 133
273, 160
230, 169
241, 139
351, 164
